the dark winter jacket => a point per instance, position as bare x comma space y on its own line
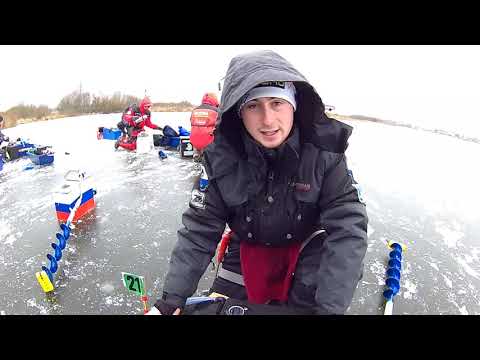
275, 197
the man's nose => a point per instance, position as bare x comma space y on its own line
268, 115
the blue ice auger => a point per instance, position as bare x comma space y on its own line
45, 277
393, 275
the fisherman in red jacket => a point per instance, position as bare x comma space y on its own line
134, 119
203, 120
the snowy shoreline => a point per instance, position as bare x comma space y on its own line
407, 125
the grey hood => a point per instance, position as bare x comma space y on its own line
248, 70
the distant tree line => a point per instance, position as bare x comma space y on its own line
81, 103
416, 127
77, 103
23, 111
172, 106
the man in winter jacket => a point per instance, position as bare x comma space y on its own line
278, 176
134, 119
203, 120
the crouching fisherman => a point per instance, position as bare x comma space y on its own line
134, 120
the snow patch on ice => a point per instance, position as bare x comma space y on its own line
190, 175
115, 301
467, 268
476, 253
5, 230
32, 303
463, 310
409, 289
447, 281
370, 230
10, 240
450, 236
378, 269
107, 288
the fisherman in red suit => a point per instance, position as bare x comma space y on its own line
134, 119
203, 120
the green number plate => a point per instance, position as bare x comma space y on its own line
133, 283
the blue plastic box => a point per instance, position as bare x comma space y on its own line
174, 141
26, 145
183, 132
111, 134
43, 159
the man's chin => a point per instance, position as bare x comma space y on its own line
270, 144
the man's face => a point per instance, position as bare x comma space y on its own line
268, 120
147, 108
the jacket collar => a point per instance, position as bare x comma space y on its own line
286, 156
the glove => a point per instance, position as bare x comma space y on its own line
165, 309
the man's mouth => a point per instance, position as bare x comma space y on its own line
268, 132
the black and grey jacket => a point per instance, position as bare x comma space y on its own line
274, 197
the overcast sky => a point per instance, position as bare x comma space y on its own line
418, 84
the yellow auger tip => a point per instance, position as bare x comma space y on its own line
44, 281
215, 295
390, 243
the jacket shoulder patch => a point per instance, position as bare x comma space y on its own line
198, 199
357, 187
203, 182
199, 192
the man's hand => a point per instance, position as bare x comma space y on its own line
155, 311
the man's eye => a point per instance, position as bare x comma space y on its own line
251, 106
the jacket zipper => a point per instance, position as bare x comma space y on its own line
270, 183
